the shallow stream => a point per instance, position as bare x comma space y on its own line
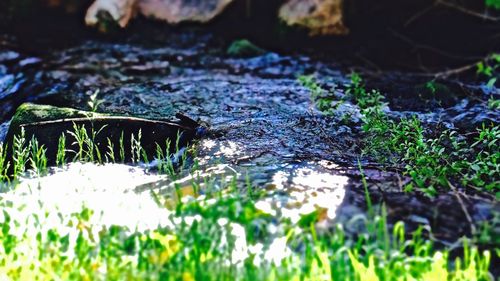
262, 123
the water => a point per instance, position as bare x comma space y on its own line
262, 125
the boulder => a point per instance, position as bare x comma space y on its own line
118, 11
320, 17
28, 113
48, 123
176, 11
171, 11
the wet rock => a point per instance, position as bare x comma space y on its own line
171, 11
467, 115
4, 127
29, 62
244, 48
158, 67
8, 56
321, 17
10, 84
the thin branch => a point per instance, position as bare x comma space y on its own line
420, 14
428, 47
464, 208
464, 10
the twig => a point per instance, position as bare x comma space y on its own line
419, 14
400, 183
448, 73
464, 208
429, 48
433, 75
369, 62
467, 11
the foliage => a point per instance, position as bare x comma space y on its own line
489, 67
224, 236
4, 163
485, 168
493, 4
431, 162
94, 102
319, 96
219, 234
244, 48
38, 157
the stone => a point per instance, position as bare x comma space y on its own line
171, 11
320, 17
47, 123
176, 11
30, 113
119, 11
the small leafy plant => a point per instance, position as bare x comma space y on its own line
94, 102
431, 162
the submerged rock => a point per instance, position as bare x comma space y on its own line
321, 17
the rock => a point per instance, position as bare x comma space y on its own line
48, 123
320, 17
4, 127
176, 11
244, 48
119, 11
9, 84
171, 11
30, 113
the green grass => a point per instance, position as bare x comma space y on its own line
217, 234
433, 160
224, 236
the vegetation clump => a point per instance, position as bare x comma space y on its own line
244, 48
219, 233
432, 161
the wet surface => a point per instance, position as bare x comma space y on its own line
262, 121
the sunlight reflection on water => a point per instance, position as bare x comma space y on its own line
108, 190
111, 192
307, 189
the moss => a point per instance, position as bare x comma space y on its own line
30, 113
244, 48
